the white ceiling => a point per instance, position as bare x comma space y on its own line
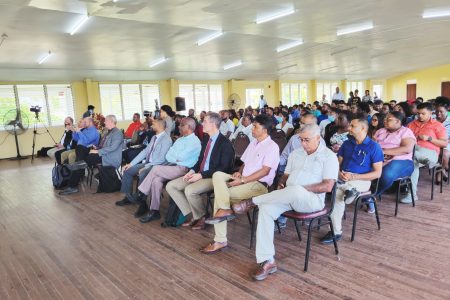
121, 39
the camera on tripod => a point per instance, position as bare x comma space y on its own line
35, 109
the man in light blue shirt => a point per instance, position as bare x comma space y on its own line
181, 157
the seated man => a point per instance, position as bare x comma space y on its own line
311, 172
431, 137
108, 153
397, 143
294, 142
217, 155
134, 126
361, 160
154, 154
245, 127
227, 126
181, 156
260, 162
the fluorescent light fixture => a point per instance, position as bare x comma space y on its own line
79, 24
233, 65
435, 13
355, 28
43, 59
275, 16
289, 45
342, 51
209, 38
158, 62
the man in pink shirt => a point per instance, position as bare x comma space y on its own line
397, 143
431, 137
261, 159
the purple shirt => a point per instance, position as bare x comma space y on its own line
389, 140
265, 153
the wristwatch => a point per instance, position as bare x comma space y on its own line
429, 139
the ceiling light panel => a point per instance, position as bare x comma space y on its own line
436, 13
355, 28
289, 46
274, 16
209, 38
233, 65
80, 23
158, 62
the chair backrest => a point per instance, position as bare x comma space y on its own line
333, 197
279, 137
240, 143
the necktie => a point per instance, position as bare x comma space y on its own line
151, 149
205, 156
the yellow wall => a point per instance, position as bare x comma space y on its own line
428, 83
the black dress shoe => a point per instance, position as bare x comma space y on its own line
151, 216
142, 210
123, 202
328, 238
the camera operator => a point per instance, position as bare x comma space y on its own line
89, 112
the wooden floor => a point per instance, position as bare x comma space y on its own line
84, 247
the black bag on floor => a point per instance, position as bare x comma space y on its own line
109, 180
174, 217
60, 176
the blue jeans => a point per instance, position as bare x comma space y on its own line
392, 171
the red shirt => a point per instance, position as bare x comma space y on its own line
432, 128
132, 128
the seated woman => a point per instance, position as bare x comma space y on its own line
397, 142
284, 124
341, 135
405, 109
377, 122
66, 142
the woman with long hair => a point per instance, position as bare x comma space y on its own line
167, 115
376, 123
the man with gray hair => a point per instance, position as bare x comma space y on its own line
108, 153
217, 154
181, 157
311, 172
154, 154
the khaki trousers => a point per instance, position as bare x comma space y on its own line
339, 206
188, 196
224, 196
70, 155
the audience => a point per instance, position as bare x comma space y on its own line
256, 174
377, 122
360, 160
154, 154
216, 155
246, 127
227, 126
431, 137
341, 134
66, 141
284, 124
181, 157
405, 109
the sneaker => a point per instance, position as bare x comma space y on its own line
328, 238
281, 225
68, 191
350, 195
407, 199
264, 269
370, 208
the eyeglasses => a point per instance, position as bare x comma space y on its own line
67, 124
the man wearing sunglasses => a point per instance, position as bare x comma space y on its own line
360, 160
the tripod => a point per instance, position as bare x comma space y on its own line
35, 133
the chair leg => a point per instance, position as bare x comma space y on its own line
442, 178
412, 193
376, 213
249, 218
252, 227
397, 199
433, 175
308, 244
336, 250
298, 230
278, 226
355, 216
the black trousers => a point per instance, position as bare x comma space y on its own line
91, 160
129, 154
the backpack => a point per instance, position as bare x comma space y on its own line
60, 176
174, 217
109, 180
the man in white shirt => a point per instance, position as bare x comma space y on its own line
246, 127
338, 95
311, 172
227, 126
262, 102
